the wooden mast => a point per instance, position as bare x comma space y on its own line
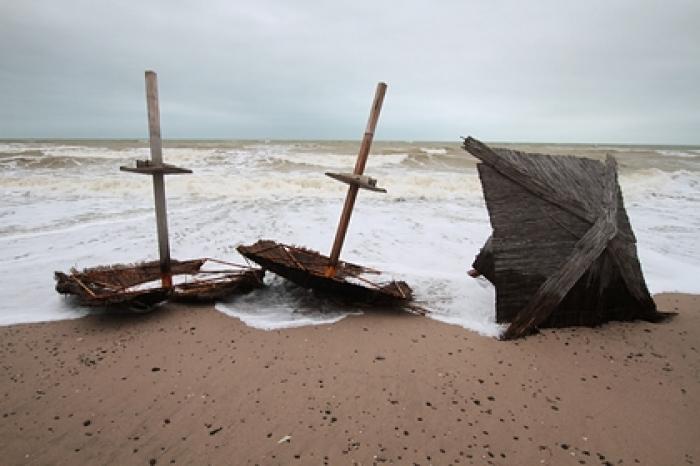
357, 181
158, 170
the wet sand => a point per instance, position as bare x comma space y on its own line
189, 385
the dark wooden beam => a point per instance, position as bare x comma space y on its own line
144, 167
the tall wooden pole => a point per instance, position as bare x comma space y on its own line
359, 170
158, 177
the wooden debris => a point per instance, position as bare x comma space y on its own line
562, 251
138, 285
307, 268
361, 181
328, 274
147, 167
134, 284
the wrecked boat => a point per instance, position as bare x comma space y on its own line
139, 286
328, 274
309, 269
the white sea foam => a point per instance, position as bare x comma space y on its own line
282, 305
680, 153
425, 231
433, 151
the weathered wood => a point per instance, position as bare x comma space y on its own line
624, 253
144, 168
527, 245
535, 185
153, 107
131, 285
549, 179
359, 170
555, 288
625, 257
587, 250
127, 284
541, 208
308, 269
156, 168
361, 181
484, 263
158, 178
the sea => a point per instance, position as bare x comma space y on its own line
65, 204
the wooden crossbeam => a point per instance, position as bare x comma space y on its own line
361, 181
145, 167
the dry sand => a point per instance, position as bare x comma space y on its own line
188, 385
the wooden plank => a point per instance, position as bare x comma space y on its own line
158, 178
164, 169
361, 181
586, 251
153, 117
359, 170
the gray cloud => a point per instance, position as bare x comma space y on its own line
623, 71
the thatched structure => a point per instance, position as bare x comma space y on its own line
139, 286
207, 286
562, 250
309, 269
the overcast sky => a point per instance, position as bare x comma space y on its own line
558, 71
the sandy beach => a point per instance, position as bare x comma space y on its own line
189, 385
472, 163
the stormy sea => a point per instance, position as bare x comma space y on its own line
65, 204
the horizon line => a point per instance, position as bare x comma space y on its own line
409, 141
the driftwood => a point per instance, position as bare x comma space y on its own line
562, 250
309, 269
139, 285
